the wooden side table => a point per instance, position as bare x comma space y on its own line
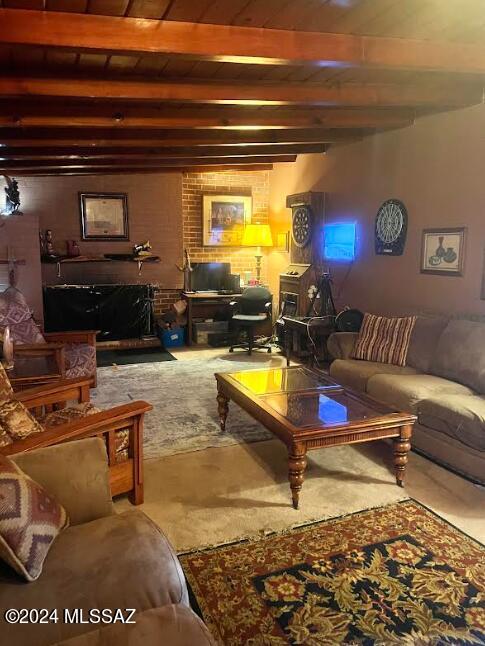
30, 371
296, 329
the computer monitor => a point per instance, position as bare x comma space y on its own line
210, 276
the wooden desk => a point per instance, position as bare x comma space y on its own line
205, 305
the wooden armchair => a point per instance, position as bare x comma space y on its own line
123, 422
65, 354
73, 354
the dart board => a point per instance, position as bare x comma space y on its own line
302, 225
391, 228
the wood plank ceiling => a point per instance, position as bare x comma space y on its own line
98, 86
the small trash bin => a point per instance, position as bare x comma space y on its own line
173, 338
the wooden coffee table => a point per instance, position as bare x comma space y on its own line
307, 410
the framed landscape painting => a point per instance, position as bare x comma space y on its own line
443, 251
224, 218
104, 216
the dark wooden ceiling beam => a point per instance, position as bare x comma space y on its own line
157, 163
96, 33
130, 170
102, 116
150, 153
105, 137
349, 94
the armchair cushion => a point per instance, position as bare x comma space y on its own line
30, 520
69, 414
76, 473
80, 360
16, 420
78, 411
15, 313
6, 390
5, 438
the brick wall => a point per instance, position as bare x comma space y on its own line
164, 298
194, 186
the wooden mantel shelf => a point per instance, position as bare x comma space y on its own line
15, 262
74, 261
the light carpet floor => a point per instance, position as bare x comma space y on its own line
224, 494
183, 394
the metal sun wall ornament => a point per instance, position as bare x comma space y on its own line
391, 228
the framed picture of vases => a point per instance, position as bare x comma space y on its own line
443, 251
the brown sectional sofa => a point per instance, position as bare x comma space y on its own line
443, 383
103, 560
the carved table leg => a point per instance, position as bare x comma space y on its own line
296, 471
222, 408
402, 446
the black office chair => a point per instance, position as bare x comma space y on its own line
252, 308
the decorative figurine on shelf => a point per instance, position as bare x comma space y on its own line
49, 243
48, 253
142, 249
187, 270
73, 250
141, 253
12, 201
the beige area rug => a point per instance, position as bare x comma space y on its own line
220, 495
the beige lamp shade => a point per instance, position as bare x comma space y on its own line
257, 235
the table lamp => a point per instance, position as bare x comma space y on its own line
257, 235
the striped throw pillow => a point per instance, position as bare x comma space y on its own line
385, 340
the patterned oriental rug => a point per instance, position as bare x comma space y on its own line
394, 575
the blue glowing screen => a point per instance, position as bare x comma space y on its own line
339, 241
330, 411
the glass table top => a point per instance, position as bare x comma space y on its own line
307, 399
263, 382
329, 408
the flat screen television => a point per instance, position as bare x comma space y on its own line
210, 276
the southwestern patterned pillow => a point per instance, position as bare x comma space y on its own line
385, 340
16, 420
6, 390
30, 520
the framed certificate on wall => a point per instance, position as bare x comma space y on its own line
104, 216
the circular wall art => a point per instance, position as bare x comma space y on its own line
391, 228
302, 225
